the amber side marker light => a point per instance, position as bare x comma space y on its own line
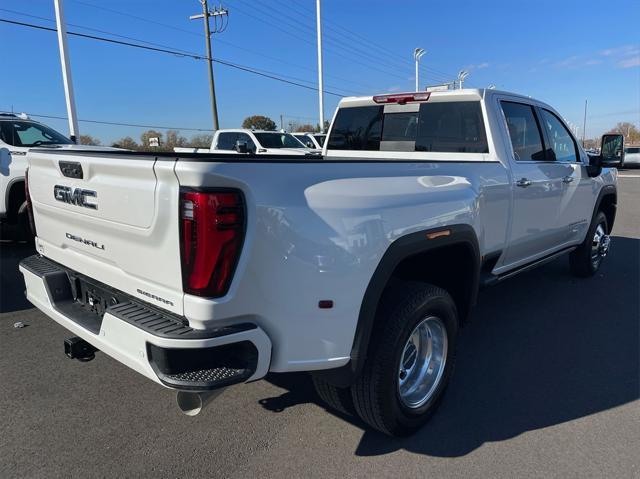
438, 234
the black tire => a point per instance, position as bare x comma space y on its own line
580, 260
24, 224
335, 397
376, 394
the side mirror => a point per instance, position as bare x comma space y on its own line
612, 150
241, 147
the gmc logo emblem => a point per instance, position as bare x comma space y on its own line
75, 196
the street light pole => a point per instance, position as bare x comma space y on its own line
584, 123
462, 74
74, 132
320, 83
417, 55
218, 12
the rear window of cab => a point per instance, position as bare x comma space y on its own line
448, 127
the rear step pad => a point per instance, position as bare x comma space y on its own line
132, 310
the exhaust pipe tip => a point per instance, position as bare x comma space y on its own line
189, 403
192, 403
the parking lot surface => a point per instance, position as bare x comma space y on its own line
547, 385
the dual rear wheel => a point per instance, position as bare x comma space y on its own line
409, 362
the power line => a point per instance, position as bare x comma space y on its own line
218, 40
336, 28
119, 12
174, 52
135, 125
359, 58
91, 29
143, 19
345, 50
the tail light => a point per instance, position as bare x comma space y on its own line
27, 196
402, 98
212, 233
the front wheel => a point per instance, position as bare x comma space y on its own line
410, 359
586, 258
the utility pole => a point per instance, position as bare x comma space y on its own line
74, 132
584, 123
320, 85
281, 122
417, 55
205, 15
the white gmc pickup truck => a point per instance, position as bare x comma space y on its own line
360, 266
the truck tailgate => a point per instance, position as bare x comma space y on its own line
112, 218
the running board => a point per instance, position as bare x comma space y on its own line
492, 279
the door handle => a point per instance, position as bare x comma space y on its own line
567, 179
524, 182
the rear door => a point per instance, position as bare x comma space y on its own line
576, 207
112, 217
537, 187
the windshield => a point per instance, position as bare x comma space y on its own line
27, 134
632, 150
278, 140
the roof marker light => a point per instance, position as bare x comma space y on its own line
402, 98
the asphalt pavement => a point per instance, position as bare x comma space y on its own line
547, 385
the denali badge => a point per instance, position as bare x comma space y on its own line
75, 196
85, 241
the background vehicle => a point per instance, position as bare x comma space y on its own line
18, 134
632, 157
311, 140
259, 142
203, 271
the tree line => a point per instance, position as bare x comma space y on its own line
150, 138
153, 139
629, 130
172, 138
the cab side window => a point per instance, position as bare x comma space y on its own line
251, 146
562, 144
526, 138
226, 141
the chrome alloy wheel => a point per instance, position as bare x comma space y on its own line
422, 362
599, 245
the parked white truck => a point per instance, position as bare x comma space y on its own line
256, 142
360, 266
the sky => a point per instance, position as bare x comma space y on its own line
560, 52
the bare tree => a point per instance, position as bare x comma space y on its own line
202, 140
173, 139
127, 143
305, 127
629, 130
89, 140
144, 138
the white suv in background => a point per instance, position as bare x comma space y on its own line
311, 140
259, 142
